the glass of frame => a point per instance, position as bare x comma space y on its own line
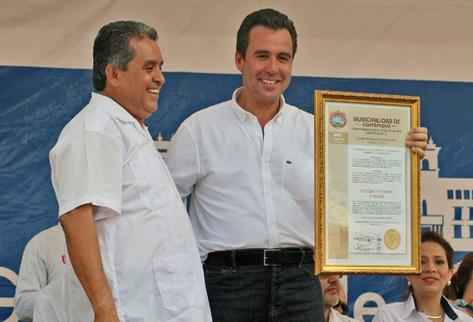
366, 183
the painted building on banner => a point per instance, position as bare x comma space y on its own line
446, 203
162, 145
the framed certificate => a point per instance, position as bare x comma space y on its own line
366, 183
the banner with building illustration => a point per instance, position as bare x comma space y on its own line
45, 79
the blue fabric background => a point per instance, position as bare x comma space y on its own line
35, 104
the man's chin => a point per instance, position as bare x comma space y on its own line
270, 99
152, 109
331, 301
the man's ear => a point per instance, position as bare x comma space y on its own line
239, 59
112, 74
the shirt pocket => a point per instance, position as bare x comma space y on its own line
178, 283
297, 179
146, 182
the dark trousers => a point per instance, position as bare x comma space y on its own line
255, 293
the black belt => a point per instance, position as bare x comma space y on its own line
259, 256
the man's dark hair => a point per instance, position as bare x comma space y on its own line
112, 46
268, 18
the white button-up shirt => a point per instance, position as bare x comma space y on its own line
104, 157
249, 189
406, 312
43, 263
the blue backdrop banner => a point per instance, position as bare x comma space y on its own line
37, 102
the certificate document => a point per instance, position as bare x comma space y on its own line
367, 178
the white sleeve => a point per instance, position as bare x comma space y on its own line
88, 169
49, 304
44, 310
182, 159
31, 279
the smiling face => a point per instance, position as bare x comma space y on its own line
435, 272
137, 88
266, 67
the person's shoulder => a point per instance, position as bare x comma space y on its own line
54, 233
43, 234
91, 115
212, 110
298, 112
101, 113
390, 312
395, 306
47, 235
95, 118
298, 120
211, 115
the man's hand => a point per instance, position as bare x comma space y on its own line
417, 140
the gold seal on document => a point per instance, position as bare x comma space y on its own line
392, 239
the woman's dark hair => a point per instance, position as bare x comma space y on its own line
432, 236
461, 278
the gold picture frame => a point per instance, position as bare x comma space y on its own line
366, 184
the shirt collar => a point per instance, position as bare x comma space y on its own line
448, 308
111, 107
410, 306
242, 114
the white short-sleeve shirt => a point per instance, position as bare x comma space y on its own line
250, 188
104, 157
43, 263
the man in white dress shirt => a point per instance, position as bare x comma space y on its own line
42, 264
128, 235
249, 164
